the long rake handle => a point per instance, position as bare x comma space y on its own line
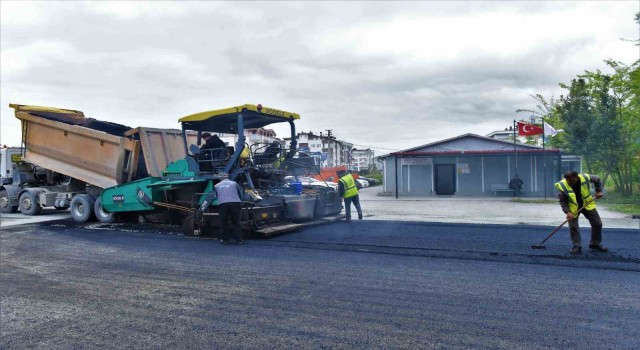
564, 222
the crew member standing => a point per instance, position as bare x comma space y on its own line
348, 189
229, 209
574, 192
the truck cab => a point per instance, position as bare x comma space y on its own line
9, 157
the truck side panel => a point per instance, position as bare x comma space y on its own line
94, 157
160, 147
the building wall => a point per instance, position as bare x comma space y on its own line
474, 174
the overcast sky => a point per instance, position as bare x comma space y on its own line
392, 75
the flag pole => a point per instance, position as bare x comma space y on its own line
515, 152
544, 159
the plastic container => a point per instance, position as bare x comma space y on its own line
296, 187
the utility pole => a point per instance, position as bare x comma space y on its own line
544, 161
329, 133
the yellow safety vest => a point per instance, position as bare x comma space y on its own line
245, 153
563, 186
349, 183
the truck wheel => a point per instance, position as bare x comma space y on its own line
81, 207
5, 203
102, 215
29, 204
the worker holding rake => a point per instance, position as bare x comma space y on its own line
348, 188
575, 198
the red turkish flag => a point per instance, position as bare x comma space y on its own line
526, 129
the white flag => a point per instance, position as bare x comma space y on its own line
550, 130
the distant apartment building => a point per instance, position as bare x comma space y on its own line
309, 142
332, 152
253, 137
338, 152
502, 135
362, 159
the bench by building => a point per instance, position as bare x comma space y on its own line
499, 188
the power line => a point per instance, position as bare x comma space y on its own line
388, 149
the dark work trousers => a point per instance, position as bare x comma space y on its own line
347, 205
596, 227
230, 212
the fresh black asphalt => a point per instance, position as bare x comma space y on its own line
369, 284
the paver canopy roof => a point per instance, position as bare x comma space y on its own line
225, 120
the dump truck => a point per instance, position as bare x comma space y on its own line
163, 173
67, 160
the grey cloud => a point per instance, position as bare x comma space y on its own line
157, 68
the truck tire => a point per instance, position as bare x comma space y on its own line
81, 208
102, 215
5, 203
29, 204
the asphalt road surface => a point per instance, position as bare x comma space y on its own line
369, 284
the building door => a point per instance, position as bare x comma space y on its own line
445, 178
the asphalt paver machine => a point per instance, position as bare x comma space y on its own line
273, 202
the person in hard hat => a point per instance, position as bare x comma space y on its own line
230, 196
348, 189
574, 192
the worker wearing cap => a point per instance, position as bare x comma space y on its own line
213, 149
348, 189
574, 192
229, 209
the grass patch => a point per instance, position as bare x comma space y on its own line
536, 200
623, 208
616, 202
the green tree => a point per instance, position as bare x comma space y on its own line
600, 115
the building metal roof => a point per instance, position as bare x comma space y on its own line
468, 144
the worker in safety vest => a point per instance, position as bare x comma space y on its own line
348, 189
574, 193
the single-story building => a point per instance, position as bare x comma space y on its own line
474, 165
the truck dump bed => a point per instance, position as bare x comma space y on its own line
56, 139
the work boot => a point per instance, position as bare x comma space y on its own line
359, 216
598, 248
576, 250
347, 220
